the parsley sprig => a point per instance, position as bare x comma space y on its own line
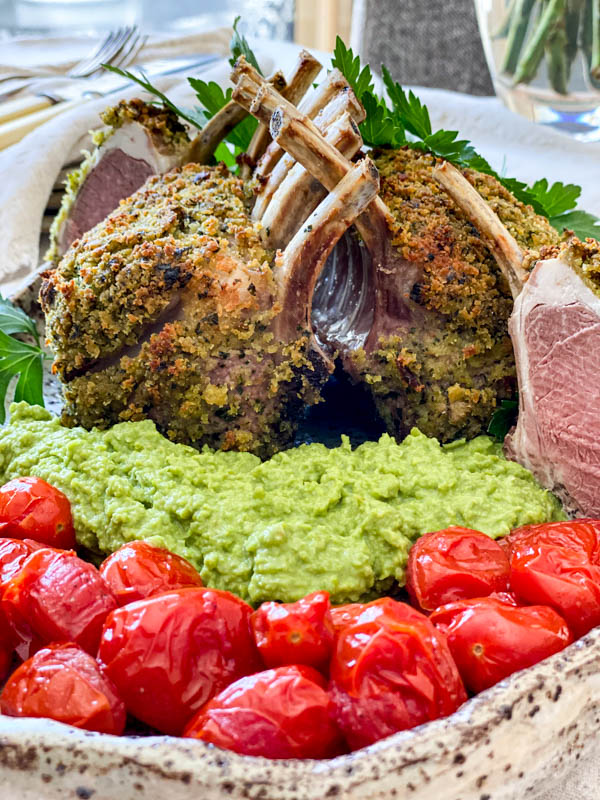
406, 122
19, 358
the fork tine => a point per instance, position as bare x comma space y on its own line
129, 53
117, 49
80, 70
111, 50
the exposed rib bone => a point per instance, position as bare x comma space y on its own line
301, 138
299, 194
328, 166
304, 257
504, 248
334, 85
215, 130
223, 122
338, 105
306, 70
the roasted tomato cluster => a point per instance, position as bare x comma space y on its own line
141, 637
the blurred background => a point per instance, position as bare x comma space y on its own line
429, 43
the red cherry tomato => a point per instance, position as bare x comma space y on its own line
169, 654
279, 713
582, 535
138, 570
7, 646
64, 683
13, 554
562, 579
295, 633
32, 509
391, 670
56, 597
454, 564
343, 616
490, 639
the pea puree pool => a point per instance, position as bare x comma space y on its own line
310, 518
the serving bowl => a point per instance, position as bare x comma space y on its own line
511, 742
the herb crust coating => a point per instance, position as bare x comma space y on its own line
446, 378
163, 311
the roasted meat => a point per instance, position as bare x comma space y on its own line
138, 140
183, 308
416, 306
555, 330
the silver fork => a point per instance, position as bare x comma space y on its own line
111, 48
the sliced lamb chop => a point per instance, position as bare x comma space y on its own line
555, 330
417, 308
140, 140
171, 309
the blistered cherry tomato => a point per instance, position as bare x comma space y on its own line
280, 713
169, 654
490, 639
562, 579
391, 670
582, 535
343, 616
7, 645
64, 683
295, 633
32, 509
138, 570
13, 554
56, 597
454, 564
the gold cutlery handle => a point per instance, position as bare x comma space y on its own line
11, 109
13, 131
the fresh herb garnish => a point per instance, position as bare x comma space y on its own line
503, 419
240, 47
407, 123
19, 358
142, 80
211, 99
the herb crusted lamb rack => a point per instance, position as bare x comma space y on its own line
178, 308
417, 307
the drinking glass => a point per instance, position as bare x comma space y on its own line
544, 57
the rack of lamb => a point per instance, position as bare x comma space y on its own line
555, 329
175, 307
415, 305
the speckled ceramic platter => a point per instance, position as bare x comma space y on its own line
512, 742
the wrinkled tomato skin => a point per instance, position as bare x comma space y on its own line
562, 579
582, 535
138, 570
343, 616
490, 640
32, 509
169, 654
454, 564
280, 713
295, 633
64, 683
56, 597
391, 670
7, 646
13, 554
